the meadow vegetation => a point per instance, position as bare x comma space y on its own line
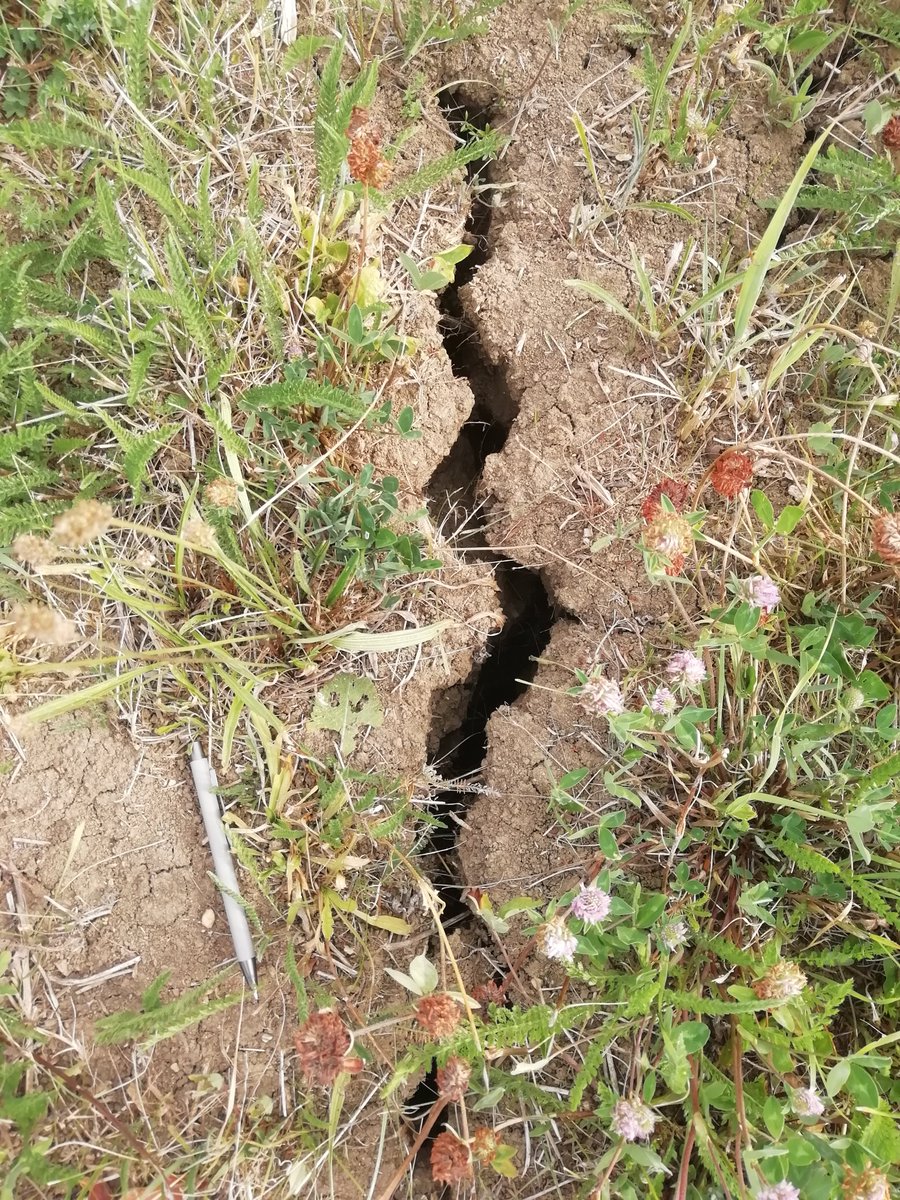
198, 353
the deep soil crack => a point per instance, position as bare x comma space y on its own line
510, 663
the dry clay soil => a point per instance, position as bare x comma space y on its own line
100, 846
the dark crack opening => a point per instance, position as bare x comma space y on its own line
457, 505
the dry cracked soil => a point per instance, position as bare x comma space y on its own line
541, 437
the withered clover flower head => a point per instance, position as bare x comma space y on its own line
201, 534
676, 491
221, 493
450, 1160
453, 1079
782, 981
322, 1043
33, 550
731, 473
886, 537
364, 158
601, 697
869, 1184
438, 1014
485, 1144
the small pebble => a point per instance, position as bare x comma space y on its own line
208, 919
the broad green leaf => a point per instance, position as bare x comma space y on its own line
789, 518
773, 1116
762, 506
346, 704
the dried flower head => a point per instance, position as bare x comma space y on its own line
556, 940
760, 591
687, 668
42, 624
145, 560
890, 133
678, 493
453, 1079
488, 993
364, 159
201, 534
485, 1145
322, 1043
591, 905
632, 1120
450, 1161
34, 550
84, 521
601, 697
779, 1191
886, 537
806, 1103
731, 473
867, 329
663, 701
669, 535
221, 493
867, 1185
438, 1015
780, 982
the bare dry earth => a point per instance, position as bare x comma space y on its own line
91, 819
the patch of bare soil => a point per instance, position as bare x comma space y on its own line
106, 873
596, 426
101, 847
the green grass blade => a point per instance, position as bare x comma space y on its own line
768, 244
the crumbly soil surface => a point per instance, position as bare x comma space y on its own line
101, 848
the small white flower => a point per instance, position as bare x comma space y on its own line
557, 940
806, 1103
686, 667
779, 1191
760, 592
591, 905
663, 701
602, 697
632, 1120
674, 934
